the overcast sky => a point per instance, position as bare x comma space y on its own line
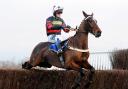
22, 24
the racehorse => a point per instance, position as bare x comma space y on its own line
76, 53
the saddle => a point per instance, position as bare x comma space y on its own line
58, 48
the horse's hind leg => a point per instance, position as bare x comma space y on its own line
36, 59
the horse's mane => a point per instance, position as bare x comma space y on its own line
71, 40
82, 25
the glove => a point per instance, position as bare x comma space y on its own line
66, 30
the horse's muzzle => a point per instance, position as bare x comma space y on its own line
98, 34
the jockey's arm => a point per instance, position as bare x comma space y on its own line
68, 28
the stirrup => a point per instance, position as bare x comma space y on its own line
59, 52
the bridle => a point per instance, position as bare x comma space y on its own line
88, 17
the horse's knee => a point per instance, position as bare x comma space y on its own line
92, 69
91, 75
26, 65
82, 72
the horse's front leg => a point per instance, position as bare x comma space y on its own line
78, 68
86, 65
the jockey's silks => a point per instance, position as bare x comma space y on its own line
54, 25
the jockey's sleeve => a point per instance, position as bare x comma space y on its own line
65, 27
49, 24
63, 24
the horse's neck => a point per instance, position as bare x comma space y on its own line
80, 40
83, 34
83, 39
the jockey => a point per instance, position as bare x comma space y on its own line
54, 25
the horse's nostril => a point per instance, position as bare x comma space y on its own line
98, 34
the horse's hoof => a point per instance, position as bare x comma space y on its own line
87, 85
91, 82
75, 86
26, 65
92, 70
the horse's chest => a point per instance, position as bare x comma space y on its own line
84, 56
81, 56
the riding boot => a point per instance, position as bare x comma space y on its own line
59, 52
59, 49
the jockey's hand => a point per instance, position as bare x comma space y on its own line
66, 30
71, 29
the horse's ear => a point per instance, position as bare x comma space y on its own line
92, 14
76, 27
85, 15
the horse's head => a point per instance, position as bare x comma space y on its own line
90, 25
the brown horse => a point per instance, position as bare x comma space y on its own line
75, 56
